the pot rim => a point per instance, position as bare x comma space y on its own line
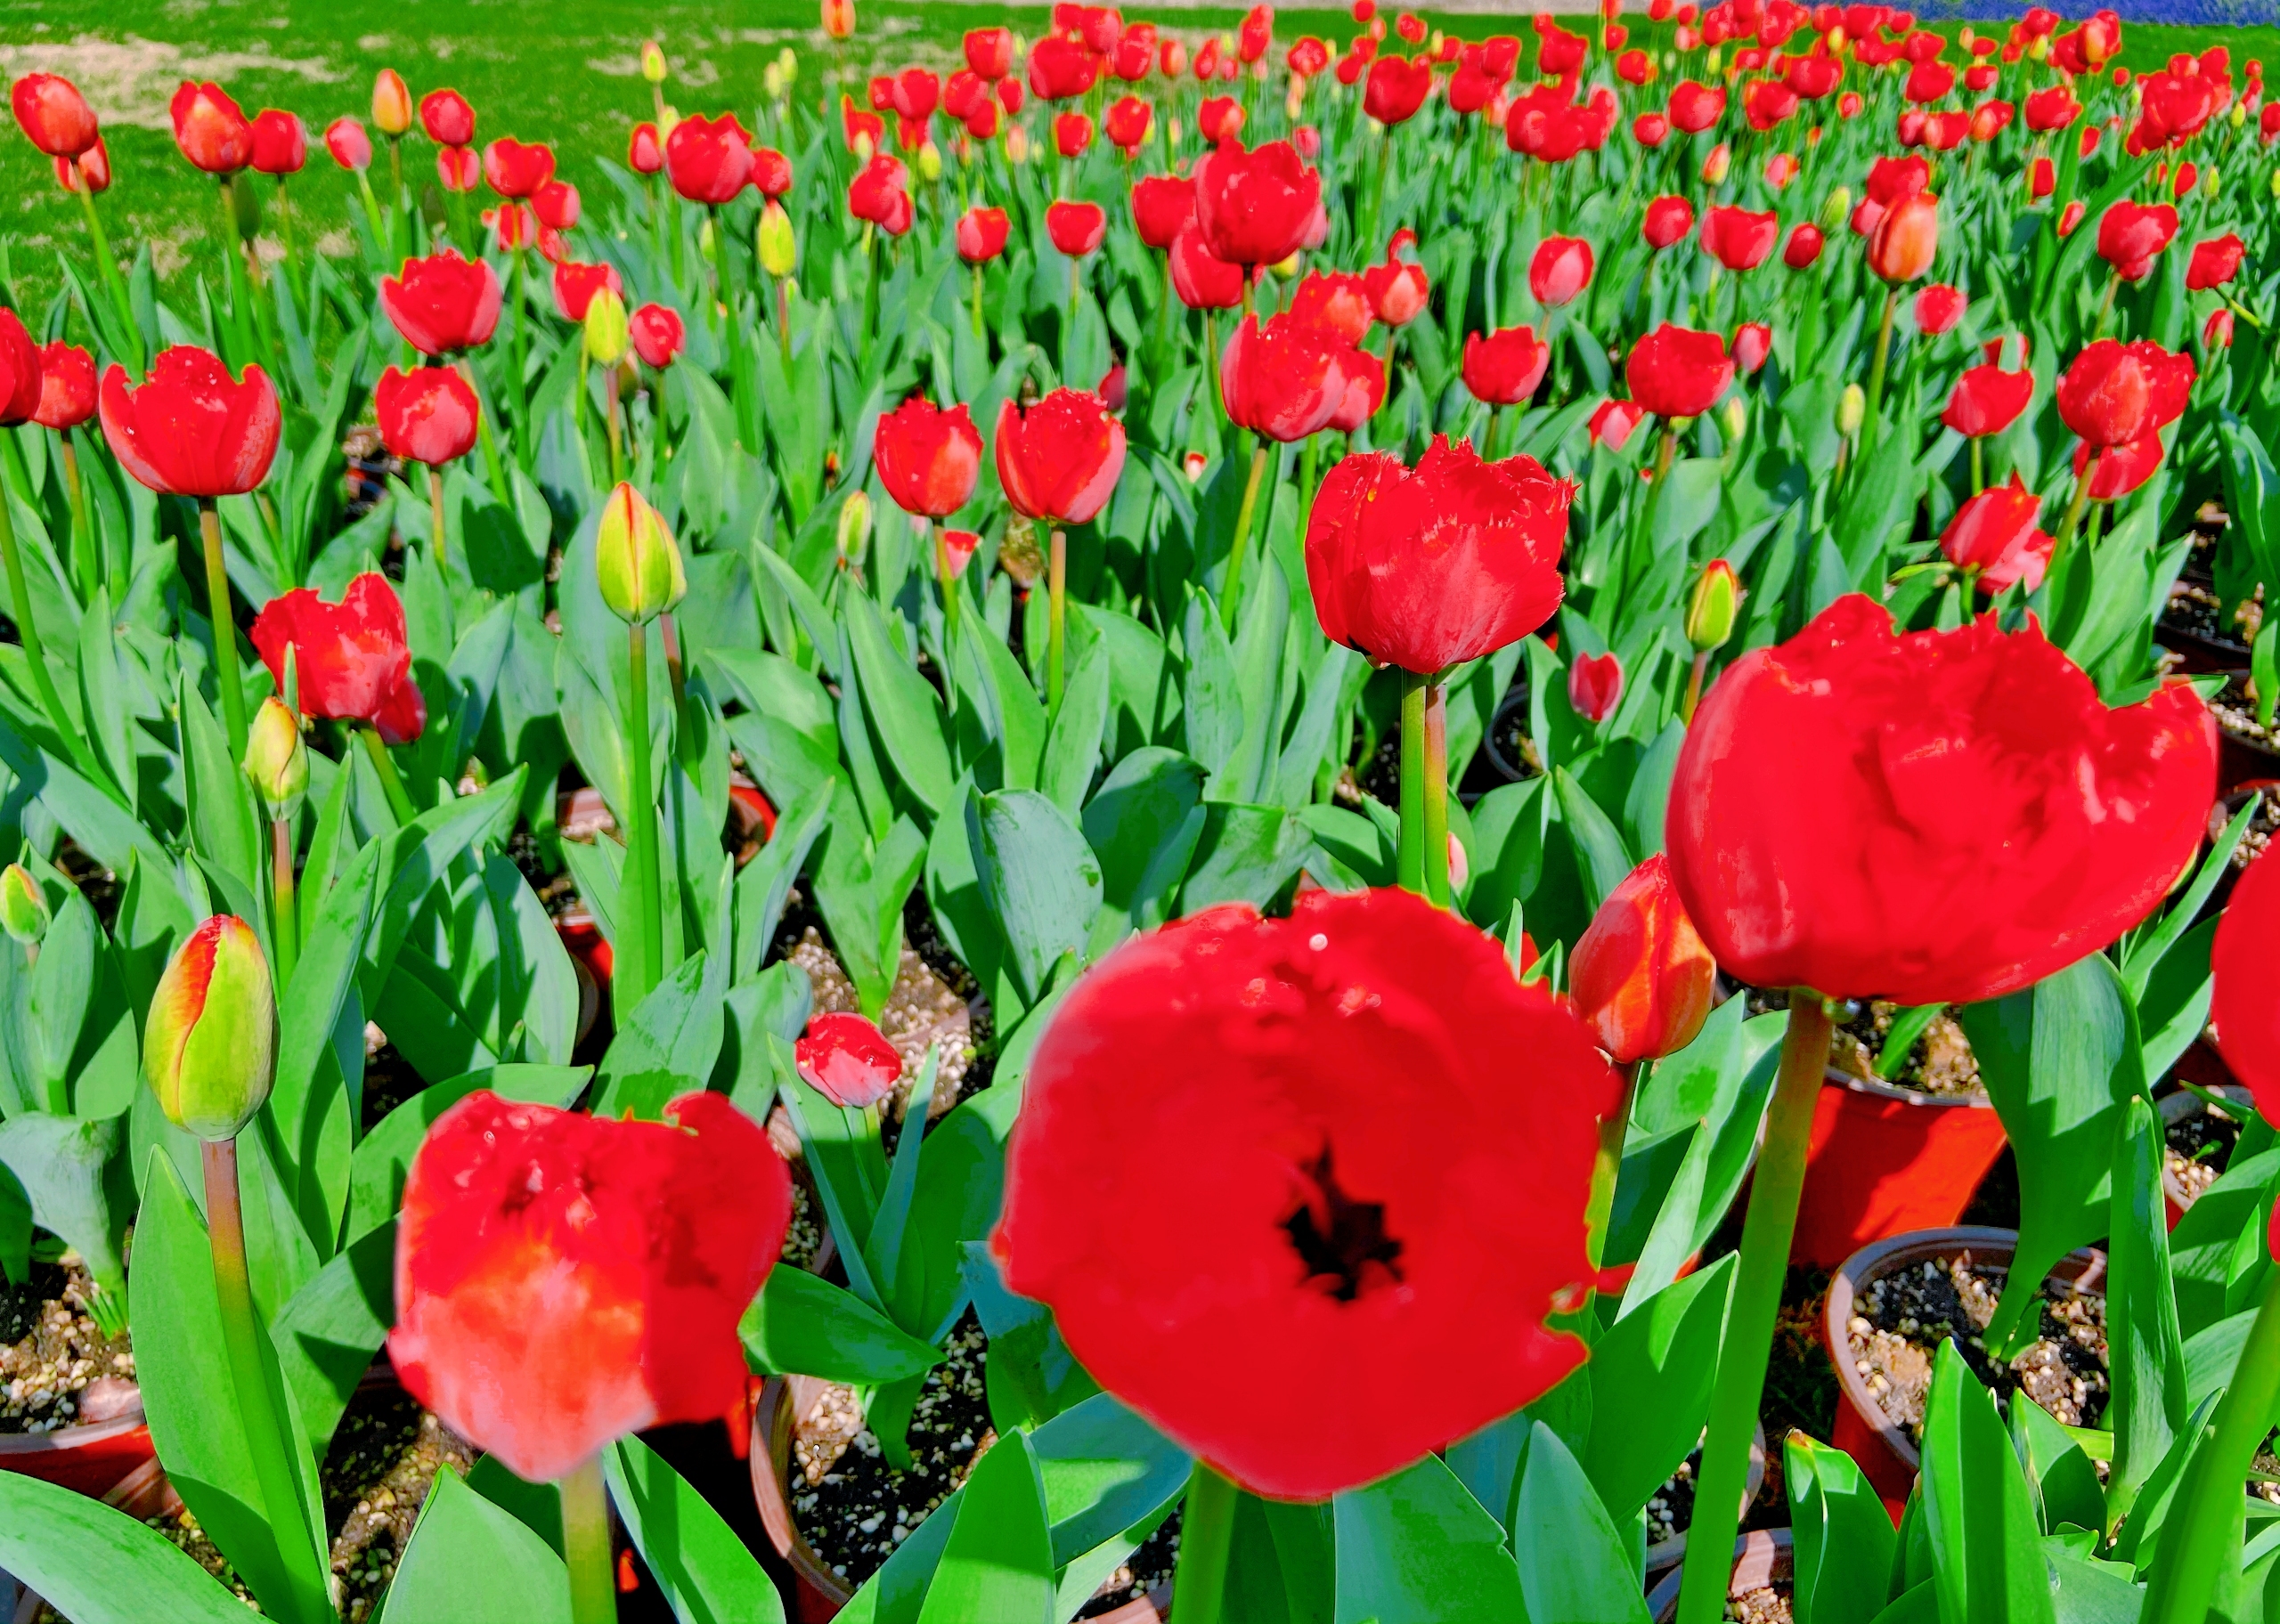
2082, 1269
78, 1437
1665, 1553
781, 1398
1760, 1556
1877, 1088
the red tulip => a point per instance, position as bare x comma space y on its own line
1059, 461
1650, 130
1989, 119
427, 415
2215, 262
880, 193
1335, 301
1952, 775
1813, 77
353, 657
1428, 569
644, 153
2070, 217
2245, 961
1753, 342
928, 457
1362, 1184
1640, 978
1695, 107
1767, 103
1938, 308
958, 545
1255, 208
211, 131
512, 225
447, 117
1171, 58
1218, 118
1504, 368
1804, 246
657, 333
1076, 228
516, 171
1560, 269
564, 1279
843, 1057
1009, 97
2217, 332
1668, 219
1161, 204
2132, 235
443, 303
1901, 247
981, 234
2053, 108
708, 161
2115, 392
576, 285
917, 92
771, 173
1072, 133
1285, 380
1366, 391
1398, 287
1595, 685
20, 386
1201, 280
2121, 468
2042, 179
1256, 33
189, 429
1127, 124
990, 51
1614, 422
1675, 372
459, 168
350, 147
1062, 69
1737, 239
67, 386
1206, 60
1993, 535
53, 114
1396, 88
1987, 400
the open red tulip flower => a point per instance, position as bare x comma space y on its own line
1425, 569
847, 1060
1325, 1164
54, 115
708, 161
1161, 204
211, 130
1072, 133
1503, 368
353, 658
657, 333
1336, 301
447, 117
1201, 279
2215, 262
1286, 379
1667, 220
564, 1279
1940, 307
427, 415
576, 285
1127, 124
1256, 207
67, 387
1987, 400
2131, 237
516, 170
1977, 817
1060, 459
1993, 537
880, 193
990, 53
1396, 88
2245, 961
1061, 68
556, 204
1641, 977
443, 304
1560, 269
1676, 373
190, 428
982, 233
459, 169
771, 173
928, 457
2121, 468
1076, 228
2115, 392
1737, 239
1694, 107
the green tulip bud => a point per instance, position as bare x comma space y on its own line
1710, 62
23, 905
605, 330
1710, 612
789, 62
653, 63
771, 82
1836, 209
930, 162
854, 527
2239, 115
635, 561
1851, 407
1733, 418
276, 759
773, 242
210, 1039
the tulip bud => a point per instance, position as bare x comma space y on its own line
1851, 407
778, 248
864, 147
789, 62
635, 560
606, 335
771, 82
2275, 183
1710, 612
930, 162
1835, 208
1901, 247
1715, 166
1595, 685
2209, 187
854, 527
210, 1039
1710, 62
2039, 48
653, 63
1733, 418
1017, 144
1641, 977
276, 759
23, 905
1286, 268
704, 235
391, 103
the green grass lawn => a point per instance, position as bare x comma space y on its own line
563, 72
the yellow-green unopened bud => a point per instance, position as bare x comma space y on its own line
2239, 115
789, 61
930, 161
771, 82
779, 249
210, 1039
653, 63
606, 331
1852, 406
2039, 48
23, 905
635, 561
1710, 612
854, 527
1710, 62
276, 759
1835, 208
2209, 187
1733, 417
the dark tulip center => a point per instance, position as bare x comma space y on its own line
1342, 1242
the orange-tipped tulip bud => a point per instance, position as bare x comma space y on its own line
635, 559
211, 1040
391, 103
1901, 247
1640, 975
653, 63
1710, 613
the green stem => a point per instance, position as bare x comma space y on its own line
1436, 794
1875, 403
2073, 519
109, 265
391, 783
1409, 869
225, 627
526, 442
1978, 470
285, 921
609, 418
1607, 1165
1056, 598
979, 332
2201, 1531
1242, 543
491, 466
1694, 686
640, 947
83, 561
950, 606
259, 1401
585, 1543
1766, 1231
2105, 308
436, 512
1206, 1540
784, 320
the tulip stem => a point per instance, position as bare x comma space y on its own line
1422, 858
435, 511
1607, 1164
260, 1403
1056, 597
225, 626
1978, 471
641, 946
2073, 519
1437, 794
2105, 308
979, 333
585, 1542
1767, 1230
491, 466
85, 564
285, 922
1874, 416
1242, 543
609, 419
1206, 1540
1694, 686
109, 265
391, 783
2204, 1521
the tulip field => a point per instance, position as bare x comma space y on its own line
940, 815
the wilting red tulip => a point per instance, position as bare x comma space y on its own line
1641, 977
2215, 262
1255, 208
1335, 301
1398, 287
189, 429
427, 415
2217, 331
1161, 204
1062, 69
1060, 459
990, 51
1987, 400
657, 333
1901, 247
515, 170
643, 153
447, 117
1396, 88
2245, 961
1614, 422
563, 1279
1938, 308
1127, 124
1285, 380
1668, 219
443, 303
1201, 279
1753, 342
1737, 239
1560, 269
352, 657
458, 168
350, 147
280, 145
928, 457
2115, 392
67, 387
1595, 685
1676, 372
576, 285
982, 233
1871, 885
846, 1059
1695, 107
1076, 228
708, 161
1993, 536
211, 131
1504, 368
1427, 569
1299, 1237
53, 114
2132, 235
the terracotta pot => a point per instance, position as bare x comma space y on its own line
1885, 1161
90, 1459
1879, 1446
1664, 1554
1761, 1556
2177, 1108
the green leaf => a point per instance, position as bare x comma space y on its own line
471, 1562
1038, 876
1573, 1564
668, 1045
2145, 1352
1844, 1538
707, 1574
330, 1330
80, 1185
1650, 1374
999, 1562
1072, 749
1417, 1549
1144, 821
802, 1324
2218, 1255
1601, 856
2062, 1478
1244, 854
1987, 1559
905, 710
95, 1565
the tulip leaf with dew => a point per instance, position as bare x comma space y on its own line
697, 1560
471, 1562
1987, 1558
102, 1564
1843, 1535
1418, 1545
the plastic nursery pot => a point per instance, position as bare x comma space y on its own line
1878, 1445
2245, 755
91, 1458
1664, 1554
1885, 1161
2199, 652
2183, 1106
1761, 1557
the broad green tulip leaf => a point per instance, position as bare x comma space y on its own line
1843, 1539
1244, 854
802, 1324
1417, 1549
1039, 877
668, 1045
2218, 1255
2060, 1476
471, 1562
1072, 749
1987, 1554
905, 711
76, 1177
1650, 1376
1144, 821
2144, 1353
1573, 1563
95, 1565
997, 1563
706, 1572
330, 1330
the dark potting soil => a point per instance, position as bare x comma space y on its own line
1801, 1393
2194, 608
96, 883
1670, 1509
2199, 1147
1940, 1062
2263, 827
1899, 1322
57, 1368
390, 1079
377, 1475
1995, 1204
555, 890
1149, 1569
2235, 711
